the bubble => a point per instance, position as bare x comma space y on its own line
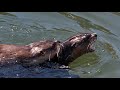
89, 72
98, 70
88, 64
12, 30
17, 75
1, 27
103, 50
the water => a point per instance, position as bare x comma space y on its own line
25, 27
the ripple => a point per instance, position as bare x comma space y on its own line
85, 23
8, 14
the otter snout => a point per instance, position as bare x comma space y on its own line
93, 35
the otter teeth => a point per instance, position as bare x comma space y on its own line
49, 56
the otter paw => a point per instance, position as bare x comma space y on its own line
64, 67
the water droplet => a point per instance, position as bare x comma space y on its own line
103, 50
1, 27
88, 64
69, 77
89, 72
37, 70
17, 75
98, 70
13, 26
12, 29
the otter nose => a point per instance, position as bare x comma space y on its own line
94, 35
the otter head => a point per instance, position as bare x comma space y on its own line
76, 46
83, 42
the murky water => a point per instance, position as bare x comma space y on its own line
26, 27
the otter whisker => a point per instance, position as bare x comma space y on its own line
62, 45
68, 57
58, 50
49, 56
73, 44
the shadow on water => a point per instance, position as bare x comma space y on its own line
84, 23
116, 13
18, 71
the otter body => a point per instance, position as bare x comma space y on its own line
48, 50
34, 53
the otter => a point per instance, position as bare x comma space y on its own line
44, 51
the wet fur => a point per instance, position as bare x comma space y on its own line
34, 53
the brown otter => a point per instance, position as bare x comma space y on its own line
48, 50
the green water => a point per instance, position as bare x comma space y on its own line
26, 27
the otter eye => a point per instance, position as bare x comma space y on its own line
42, 52
88, 36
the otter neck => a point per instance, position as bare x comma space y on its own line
65, 55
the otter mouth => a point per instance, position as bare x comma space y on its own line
91, 45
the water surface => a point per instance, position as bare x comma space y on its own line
25, 27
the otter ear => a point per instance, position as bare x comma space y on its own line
56, 42
36, 50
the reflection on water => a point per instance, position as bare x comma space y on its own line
117, 13
84, 23
8, 14
26, 27
110, 50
